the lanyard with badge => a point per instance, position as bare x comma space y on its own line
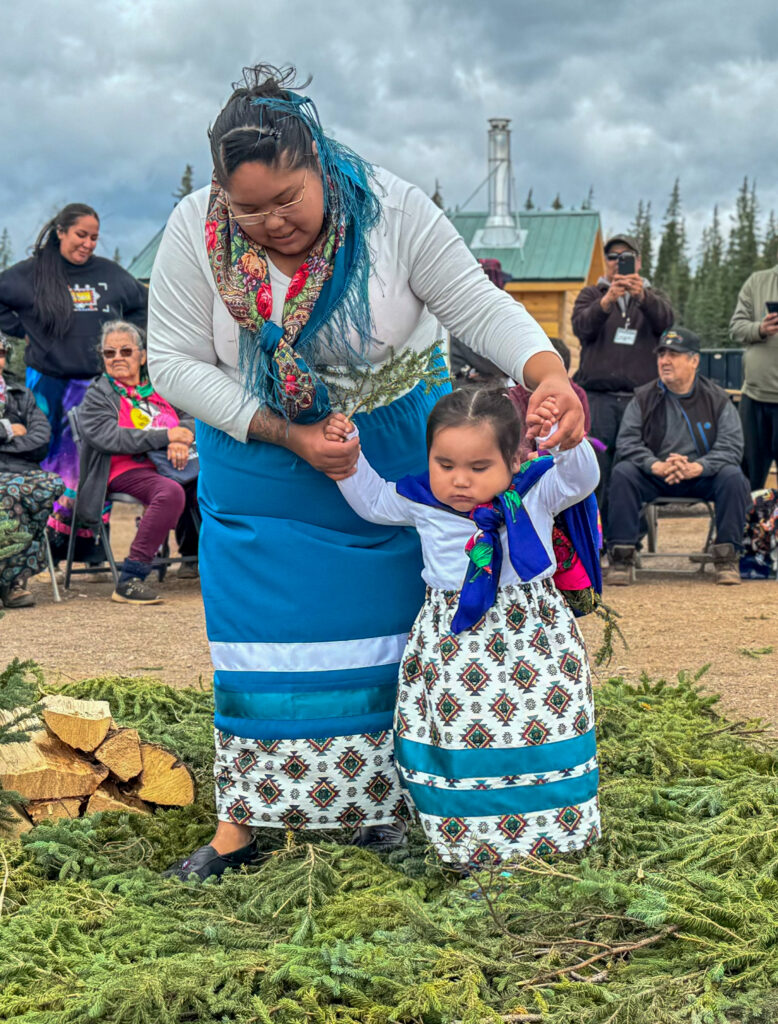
625, 335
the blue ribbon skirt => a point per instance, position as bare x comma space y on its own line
307, 610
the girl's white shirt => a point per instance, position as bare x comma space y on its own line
423, 275
443, 535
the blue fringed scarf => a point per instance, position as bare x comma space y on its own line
525, 548
327, 297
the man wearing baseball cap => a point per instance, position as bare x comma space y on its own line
680, 436
618, 321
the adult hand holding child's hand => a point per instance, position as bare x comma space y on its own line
325, 447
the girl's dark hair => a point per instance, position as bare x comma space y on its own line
245, 131
469, 406
52, 302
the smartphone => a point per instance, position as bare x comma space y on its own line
771, 307
627, 263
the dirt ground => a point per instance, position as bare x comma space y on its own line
670, 622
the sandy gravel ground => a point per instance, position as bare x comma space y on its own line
670, 623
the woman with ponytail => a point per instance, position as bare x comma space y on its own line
276, 293
58, 300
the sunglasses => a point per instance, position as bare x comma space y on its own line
126, 352
613, 256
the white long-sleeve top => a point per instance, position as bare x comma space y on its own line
423, 275
443, 535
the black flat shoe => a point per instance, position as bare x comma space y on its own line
381, 838
205, 862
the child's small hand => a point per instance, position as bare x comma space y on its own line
338, 427
541, 422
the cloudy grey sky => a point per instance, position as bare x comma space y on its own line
105, 101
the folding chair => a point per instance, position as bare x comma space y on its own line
160, 564
684, 506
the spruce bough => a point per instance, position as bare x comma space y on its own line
670, 918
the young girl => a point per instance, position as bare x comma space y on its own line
494, 725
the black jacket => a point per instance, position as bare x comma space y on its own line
606, 366
101, 290
102, 437
23, 453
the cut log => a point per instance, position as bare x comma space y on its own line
164, 779
82, 724
44, 768
107, 797
52, 810
120, 753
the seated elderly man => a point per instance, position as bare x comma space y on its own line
680, 437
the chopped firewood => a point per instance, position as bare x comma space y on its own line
164, 779
107, 797
120, 753
51, 810
82, 724
44, 768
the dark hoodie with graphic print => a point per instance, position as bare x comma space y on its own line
101, 291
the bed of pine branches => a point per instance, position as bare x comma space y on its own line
672, 917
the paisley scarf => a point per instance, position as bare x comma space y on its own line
3, 396
327, 297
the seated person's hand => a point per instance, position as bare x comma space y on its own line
178, 454
18, 429
180, 435
337, 427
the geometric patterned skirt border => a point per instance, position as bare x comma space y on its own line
494, 728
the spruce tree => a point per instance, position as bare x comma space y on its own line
706, 310
672, 275
117, 256
557, 204
6, 252
770, 244
641, 230
588, 203
743, 249
528, 202
186, 186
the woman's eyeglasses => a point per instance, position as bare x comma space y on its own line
125, 352
250, 219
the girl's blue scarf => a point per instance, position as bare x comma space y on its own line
525, 549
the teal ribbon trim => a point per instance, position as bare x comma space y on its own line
297, 706
481, 803
490, 763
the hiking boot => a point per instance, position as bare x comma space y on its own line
622, 565
188, 571
726, 563
381, 838
18, 597
206, 862
135, 591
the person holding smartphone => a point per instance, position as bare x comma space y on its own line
754, 325
618, 322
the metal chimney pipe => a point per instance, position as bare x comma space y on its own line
500, 173
501, 227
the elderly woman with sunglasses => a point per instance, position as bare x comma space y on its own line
27, 493
276, 293
123, 421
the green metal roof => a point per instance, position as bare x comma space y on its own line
144, 261
557, 247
